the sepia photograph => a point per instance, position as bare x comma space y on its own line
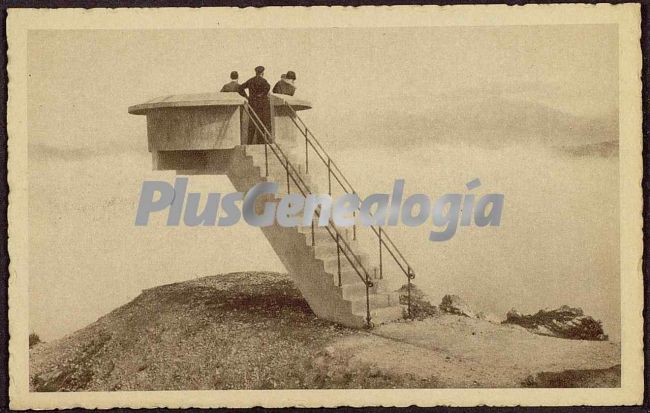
394, 205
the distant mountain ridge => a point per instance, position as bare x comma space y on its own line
602, 149
493, 122
40, 151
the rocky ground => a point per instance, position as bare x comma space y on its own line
255, 331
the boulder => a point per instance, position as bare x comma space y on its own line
563, 322
488, 317
453, 304
421, 306
513, 313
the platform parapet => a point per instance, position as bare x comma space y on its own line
212, 123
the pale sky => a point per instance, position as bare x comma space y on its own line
81, 82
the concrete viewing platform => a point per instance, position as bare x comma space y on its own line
212, 123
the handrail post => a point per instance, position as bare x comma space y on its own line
266, 158
306, 152
381, 264
408, 296
313, 238
368, 301
338, 256
286, 167
329, 175
354, 226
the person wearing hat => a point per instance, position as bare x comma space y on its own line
258, 90
285, 84
277, 87
233, 85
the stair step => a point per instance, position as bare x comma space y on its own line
331, 263
384, 315
302, 190
275, 166
331, 257
329, 248
323, 233
277, 172
377, 301
281, 180
357, 290
348, 276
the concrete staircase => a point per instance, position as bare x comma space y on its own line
314, 269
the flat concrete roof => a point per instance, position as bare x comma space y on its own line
210, 99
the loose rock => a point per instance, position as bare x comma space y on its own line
421, 306
563, 322
453, 304
488, 317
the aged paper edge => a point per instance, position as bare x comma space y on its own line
626, 16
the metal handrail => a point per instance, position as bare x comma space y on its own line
331, 228
379, 232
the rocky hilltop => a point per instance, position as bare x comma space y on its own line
255, 331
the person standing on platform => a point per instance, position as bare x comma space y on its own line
279, 84
233, 85
258, 99
285, 85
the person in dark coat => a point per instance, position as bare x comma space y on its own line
285, 85
258, 99
277, 84
233, 85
